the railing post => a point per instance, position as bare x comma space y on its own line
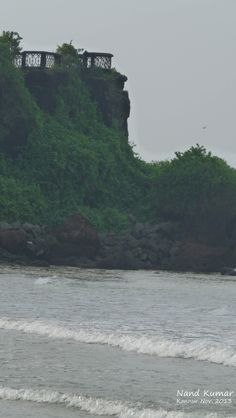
23, 63
85, 60
43, 60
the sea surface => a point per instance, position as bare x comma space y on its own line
128, 344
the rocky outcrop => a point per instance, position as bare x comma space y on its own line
74, 238
195, 256
76, 243
21, 243
228, 271
145, 247
13, 240
113, 101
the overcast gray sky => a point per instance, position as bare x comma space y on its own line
179, 56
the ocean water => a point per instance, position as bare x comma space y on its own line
89, 343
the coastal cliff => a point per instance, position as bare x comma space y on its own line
64, 153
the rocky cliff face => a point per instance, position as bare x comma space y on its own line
113, 101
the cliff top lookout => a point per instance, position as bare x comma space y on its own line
44, 59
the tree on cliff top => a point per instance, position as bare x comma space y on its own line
67, 49
69, 53
12, 39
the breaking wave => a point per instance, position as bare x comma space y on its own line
94, 406
159, 346
43, 280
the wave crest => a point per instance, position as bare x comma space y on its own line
159, 346
96, 406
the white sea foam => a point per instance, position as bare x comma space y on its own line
43, 280
94, 406
159, 346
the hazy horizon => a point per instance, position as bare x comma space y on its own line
178, 56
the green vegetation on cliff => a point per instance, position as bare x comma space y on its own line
64, 149
58, 156
198, 190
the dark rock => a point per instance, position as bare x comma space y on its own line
76, 243
169, 229
138, 230
153, 258
108, 240
13, 240
145, 242
161, 247
130, 241
75, 237
33, 230
195, 256
27, 227
39, 263
38, 247
144, 257
137, 252
121, 260
228, 271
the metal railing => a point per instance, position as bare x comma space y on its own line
37, 59
43, 59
